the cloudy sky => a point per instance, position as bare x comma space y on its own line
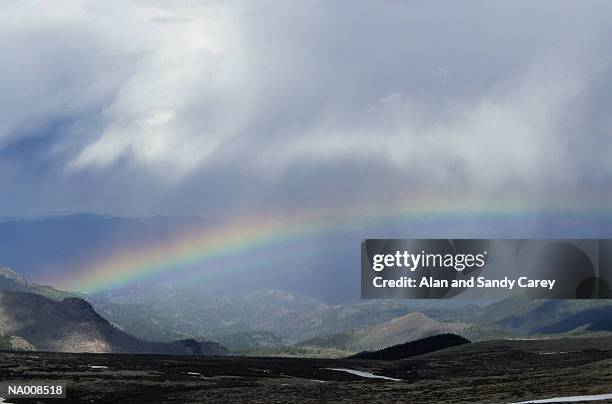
218, 108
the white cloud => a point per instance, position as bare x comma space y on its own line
180, 89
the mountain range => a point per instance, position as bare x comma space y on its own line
153, 316
272, 322
41, 318
153, 310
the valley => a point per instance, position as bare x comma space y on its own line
268, 322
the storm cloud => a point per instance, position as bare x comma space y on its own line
220, 108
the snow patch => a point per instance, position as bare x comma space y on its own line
363, 374
570, 399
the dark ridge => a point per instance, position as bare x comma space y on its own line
413, 348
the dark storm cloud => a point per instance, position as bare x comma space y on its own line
224, 107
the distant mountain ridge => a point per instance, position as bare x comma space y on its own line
524, 316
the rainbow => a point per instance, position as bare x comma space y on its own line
249, 234
198, 247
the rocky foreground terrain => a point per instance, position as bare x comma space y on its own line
491, 371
